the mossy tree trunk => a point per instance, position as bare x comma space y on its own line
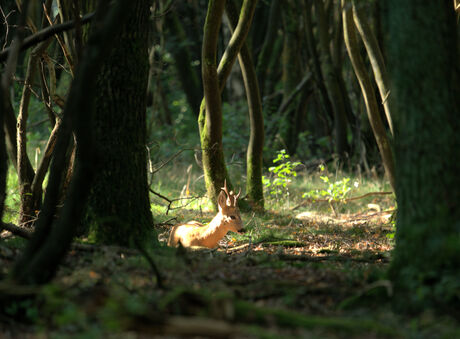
118, 209
254, 186
215, 171
214, 78
424, 68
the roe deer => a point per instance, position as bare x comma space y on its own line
227, 219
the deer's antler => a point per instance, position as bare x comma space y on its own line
230, 195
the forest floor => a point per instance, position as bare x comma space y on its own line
292, 274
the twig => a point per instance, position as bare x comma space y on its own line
171, 201
5, 24
45, 34
367, 195
293, 94
152, 264
164, 163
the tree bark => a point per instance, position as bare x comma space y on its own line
368, 93
332, 84
268, 46
315, 64
188, 75
52, 238
254, 155
118, 208
215, 171
29, 202
292, 75
210, 118
424, 67
376, 59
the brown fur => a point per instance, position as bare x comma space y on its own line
194, 233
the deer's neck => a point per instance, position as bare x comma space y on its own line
214, 231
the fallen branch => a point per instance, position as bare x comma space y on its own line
310, 200
16, 230
248, 312
27, 234
339, 258
200, 327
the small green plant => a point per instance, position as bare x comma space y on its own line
25, 308
392, 234
282, 175
335, 192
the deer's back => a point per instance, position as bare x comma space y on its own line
188, 234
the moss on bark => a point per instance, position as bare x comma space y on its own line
424, 68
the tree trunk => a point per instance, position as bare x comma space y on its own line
188, 75
118, 208
254, 186
292, 75
268, 44
210, 118
52, 238
3, 153
368, 93
376, 59
215, 171
332, 84
424, 66
315, 66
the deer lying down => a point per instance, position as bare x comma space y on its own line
227, 219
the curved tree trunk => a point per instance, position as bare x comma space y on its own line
376, 59
424, 67
254, 186
210, 118
368, 93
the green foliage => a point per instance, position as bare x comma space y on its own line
334, 192
26, 309
282, 175
12, 197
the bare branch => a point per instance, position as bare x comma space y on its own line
45, 34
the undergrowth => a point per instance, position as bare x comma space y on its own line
297, 271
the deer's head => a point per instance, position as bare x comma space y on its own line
228, 208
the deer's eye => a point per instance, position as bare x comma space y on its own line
232, 217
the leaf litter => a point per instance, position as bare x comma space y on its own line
295, 281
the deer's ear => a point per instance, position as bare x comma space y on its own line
222, 199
